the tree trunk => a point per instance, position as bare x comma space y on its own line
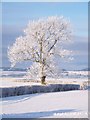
42, 74
43, 79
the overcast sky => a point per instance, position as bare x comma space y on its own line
15, 17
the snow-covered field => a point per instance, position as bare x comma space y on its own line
64, 74
15, 78
71, 104
14, 82
12, 73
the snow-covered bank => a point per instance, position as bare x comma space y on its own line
71, 104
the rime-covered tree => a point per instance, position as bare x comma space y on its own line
41, 43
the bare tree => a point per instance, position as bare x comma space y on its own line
42, 42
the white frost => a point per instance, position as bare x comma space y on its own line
42, 42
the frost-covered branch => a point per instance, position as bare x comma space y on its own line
42, 41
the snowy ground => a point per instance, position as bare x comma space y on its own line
64, 74
15, 78
71, 104
13, 82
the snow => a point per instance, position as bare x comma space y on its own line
71, 104
64, 74
13, 82
12, 73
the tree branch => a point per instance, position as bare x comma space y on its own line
52, 46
